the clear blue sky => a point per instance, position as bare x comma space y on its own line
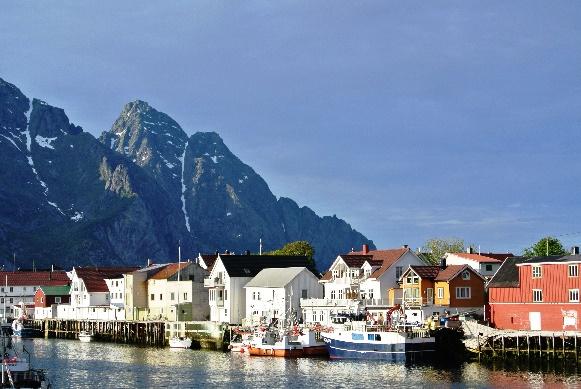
411, 120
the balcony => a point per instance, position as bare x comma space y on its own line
328, 303
215, 282
418, 301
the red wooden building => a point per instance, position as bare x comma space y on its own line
540, 293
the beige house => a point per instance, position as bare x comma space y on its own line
135, 296
177, 292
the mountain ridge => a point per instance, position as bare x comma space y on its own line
134, 192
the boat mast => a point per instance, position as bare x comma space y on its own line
178, 288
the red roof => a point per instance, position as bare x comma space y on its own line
382, 258
169, 271
485, 258
94, 277
34, 278
436, 273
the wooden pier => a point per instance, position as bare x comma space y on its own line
151, 333
205, 334
488, 342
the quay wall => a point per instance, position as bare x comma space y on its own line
204, 334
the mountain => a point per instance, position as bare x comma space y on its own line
132, 194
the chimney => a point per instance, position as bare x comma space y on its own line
217, 252
443, 263
470, 250
365, 249
149, 262
405, 246
575, 250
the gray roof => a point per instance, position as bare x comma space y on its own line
275, 277
555, 259
507, 274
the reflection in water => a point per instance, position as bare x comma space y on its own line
72, 364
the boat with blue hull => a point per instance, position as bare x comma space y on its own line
361, 341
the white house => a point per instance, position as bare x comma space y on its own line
90, 295
486, 264
116, 288
275, 293
361, 280
231, 273
20, 287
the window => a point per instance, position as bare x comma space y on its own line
24, 288
321, 316
440, 293
314, 316
11, 300
11, 289
335, 273
333, 296
160, 297
225, 294
573, 270
370, 293
57, 300
185, 296
537, 272
398, 271
152, 297
412, 279
465, 275
573, 295
2, 290
304, 293
463, 292
537, 296
488, 267
2, 300
340, 294
367, 272
255, 312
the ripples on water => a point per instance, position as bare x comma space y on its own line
72, 364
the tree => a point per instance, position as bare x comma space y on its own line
546, 246
435, 248
300, 247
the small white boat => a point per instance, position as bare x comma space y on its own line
180, 342
85, 336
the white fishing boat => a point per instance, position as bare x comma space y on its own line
85, 336
396, 341
179, 341
287, 343
16, 371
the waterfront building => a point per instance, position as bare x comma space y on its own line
47, 298
135, 294
275, 293
540, 293
183, 300
231, 273
359, 281
484, 263
90, 295
436, 290
19, 287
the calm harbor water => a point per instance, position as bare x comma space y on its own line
72, 364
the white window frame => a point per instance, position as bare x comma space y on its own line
57, 300
333, 295
537, 271
537, 295
573, 270
466, 275
340, 294
440, 292
573, 295
463, 292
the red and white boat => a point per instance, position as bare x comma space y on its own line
296, 343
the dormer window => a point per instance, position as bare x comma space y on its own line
465, 275
412, 279
335, 273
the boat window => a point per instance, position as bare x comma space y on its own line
378, 337
356, 336
370, 336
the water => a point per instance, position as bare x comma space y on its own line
72, 364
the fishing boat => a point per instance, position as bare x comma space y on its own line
294, 343
179, 341
85, 336
394, 341
19, 329
16, 371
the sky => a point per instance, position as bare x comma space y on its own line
410, 120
